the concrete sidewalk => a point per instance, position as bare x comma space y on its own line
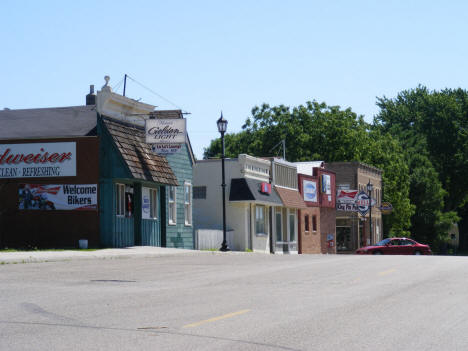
128, 252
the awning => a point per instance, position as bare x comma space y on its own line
290, 198
246, 189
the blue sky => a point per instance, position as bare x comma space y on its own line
208, 56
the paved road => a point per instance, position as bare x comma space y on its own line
236, 302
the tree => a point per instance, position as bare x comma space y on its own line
432, 127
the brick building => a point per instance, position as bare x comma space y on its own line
352, 229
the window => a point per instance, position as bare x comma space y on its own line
120, 199
188, 203
279, 225
199, 192
172, 205
260, 219
306, 223
314, 223
292, 225
153, 203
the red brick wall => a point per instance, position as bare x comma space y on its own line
327, 226
309, 242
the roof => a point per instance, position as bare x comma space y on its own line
246, 189
141, 161
290, 197
48, 122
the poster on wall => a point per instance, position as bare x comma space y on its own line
57, 197
145, 203
34, 160
310, 190
326, 184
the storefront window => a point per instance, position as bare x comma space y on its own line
129, 201
279, 225
120, 200
292, 225
260, 219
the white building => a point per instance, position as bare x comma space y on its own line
261, 214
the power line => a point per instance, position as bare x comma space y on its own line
155, 93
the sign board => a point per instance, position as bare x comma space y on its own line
386, 207
309, 188
165, 131
57, 197
363, 203
165, 149
35, 160
326, 184
265, 188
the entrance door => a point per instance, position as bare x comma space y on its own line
278, 230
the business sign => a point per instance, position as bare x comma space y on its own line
363, 203
265, 188
309, 188
326, 184
386, 207
345, 200
38, 160
165, 131
165, 149
57, 197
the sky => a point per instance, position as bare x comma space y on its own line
205, 57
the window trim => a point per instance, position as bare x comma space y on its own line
188, 204
173, 204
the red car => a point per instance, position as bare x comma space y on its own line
396, 246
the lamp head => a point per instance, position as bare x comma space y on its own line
222, 124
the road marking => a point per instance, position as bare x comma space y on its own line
388, 272
214, 319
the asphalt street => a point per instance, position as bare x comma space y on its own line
213, 301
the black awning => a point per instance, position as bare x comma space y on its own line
245, 189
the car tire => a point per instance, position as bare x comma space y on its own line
417, 253
377, 253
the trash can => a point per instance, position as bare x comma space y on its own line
83, 243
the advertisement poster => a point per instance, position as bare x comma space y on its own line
346, 200
57, 197
326, 184
145, 203
36, 160
310, 190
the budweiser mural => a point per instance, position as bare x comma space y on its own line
346, 200
57, 197
38, 160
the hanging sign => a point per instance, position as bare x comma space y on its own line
165, 131
386, 207
57, 197
36, 160
363, 203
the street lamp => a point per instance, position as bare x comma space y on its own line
222, 126
370, 187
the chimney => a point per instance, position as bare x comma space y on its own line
91, 97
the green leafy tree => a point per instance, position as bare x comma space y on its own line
432, 127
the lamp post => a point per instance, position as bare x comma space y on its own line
222, 126
370, 187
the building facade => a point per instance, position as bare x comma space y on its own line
318, 220
110, 188
352, 229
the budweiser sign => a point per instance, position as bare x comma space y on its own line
38, 160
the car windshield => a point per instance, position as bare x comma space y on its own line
383, 242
